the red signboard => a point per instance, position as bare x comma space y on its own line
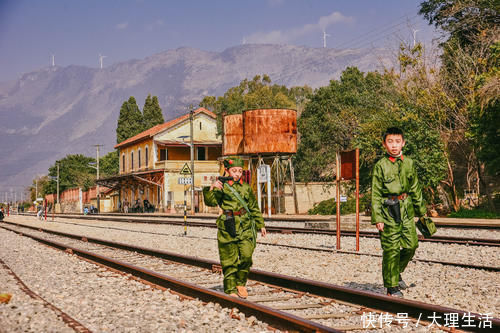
348, 165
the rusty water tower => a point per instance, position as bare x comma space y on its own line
233, 135
265, 136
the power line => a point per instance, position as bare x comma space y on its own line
362, 40
368, 35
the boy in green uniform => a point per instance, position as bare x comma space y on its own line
237, 226
396, 199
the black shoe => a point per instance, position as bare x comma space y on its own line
394, 291
401, 283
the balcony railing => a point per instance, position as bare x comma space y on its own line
176, 166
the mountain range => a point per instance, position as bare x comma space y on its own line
55, 111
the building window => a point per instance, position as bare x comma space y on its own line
163, 154
200, 125
201, 152
146, 157
123, 162
139, 159
132, 161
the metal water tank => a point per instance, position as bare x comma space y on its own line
270, 131
233, 135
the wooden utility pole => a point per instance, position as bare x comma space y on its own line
357, 199
98, 195
191, 118
338, 201
57, 183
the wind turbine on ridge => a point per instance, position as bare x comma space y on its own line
101, 57
414, 37
324, 38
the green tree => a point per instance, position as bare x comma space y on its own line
470, 74
152, 112
486, 114
422, 89
462, 19
40, 184
332, 120
157, 115
109, 164
130, 121
253, 94
353, 113
74, 171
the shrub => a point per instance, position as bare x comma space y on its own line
329, 207
474, 213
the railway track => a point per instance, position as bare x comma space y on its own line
326, 250
282, 301
449, 223
175, 220
66, 318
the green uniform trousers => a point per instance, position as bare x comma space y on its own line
236, 260
399, 242
235, 253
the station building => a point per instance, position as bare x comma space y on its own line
152, 162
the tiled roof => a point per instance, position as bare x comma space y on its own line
182, 144
161, 127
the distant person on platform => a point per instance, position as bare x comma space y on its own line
237, 226
40, 211
396, 199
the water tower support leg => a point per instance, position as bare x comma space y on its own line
294, 190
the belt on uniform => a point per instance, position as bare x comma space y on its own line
402, 196
235, 212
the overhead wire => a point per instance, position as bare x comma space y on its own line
362, 40
368, 36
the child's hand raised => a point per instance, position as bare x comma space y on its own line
217, 184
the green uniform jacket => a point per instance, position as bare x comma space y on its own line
394, 176
228, 201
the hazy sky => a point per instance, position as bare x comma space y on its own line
77, 31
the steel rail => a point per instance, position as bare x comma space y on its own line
430, 261
275, 318
415, 309
279, 218
66, 318
279, 229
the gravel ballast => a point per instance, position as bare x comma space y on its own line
101, 300
465, 289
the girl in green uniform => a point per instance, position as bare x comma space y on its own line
237, 226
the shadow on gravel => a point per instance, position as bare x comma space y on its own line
218, 288
373, 287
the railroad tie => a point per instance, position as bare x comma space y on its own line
297, 306
270, 299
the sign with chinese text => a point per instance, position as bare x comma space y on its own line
185, 180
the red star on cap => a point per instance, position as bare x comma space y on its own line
230, 161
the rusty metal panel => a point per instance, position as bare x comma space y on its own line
270, 131
348, 165
233, 135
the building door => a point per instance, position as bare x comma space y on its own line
170, 200
197, 198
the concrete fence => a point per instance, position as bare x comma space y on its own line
74, 199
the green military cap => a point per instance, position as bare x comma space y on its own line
233, 161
